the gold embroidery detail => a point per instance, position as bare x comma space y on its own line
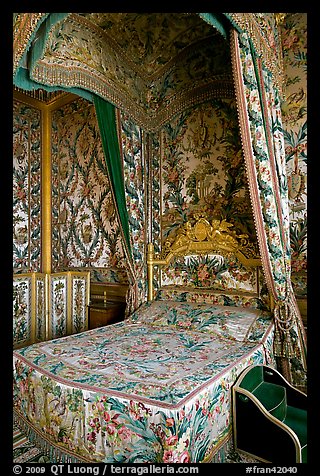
270, 53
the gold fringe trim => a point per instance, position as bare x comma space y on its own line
53, 452
23, 28
220, 451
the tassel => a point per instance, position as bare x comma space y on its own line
284, 321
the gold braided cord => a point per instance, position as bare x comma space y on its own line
263, 43
286, 318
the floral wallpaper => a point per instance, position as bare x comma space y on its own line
195, 165
136, 185
21, 310
26, 188
203, 173
294, 111
68, 300
85, 226
79, 293
203, 168
40, 307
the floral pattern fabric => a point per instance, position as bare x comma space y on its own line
265, 162
138, 391
211, 296
231, 322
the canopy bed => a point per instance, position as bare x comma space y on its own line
98, 396
156, 387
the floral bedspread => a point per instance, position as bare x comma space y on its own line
233, 322
140, 391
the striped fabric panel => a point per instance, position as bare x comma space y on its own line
24, 451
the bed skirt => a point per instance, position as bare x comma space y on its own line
60, 455
56, 454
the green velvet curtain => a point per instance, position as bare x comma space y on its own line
106, 117
105, 112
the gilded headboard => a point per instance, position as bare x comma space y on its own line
202, 238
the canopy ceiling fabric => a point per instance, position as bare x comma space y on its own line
149, 65
258, 78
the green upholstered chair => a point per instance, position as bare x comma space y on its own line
269, 417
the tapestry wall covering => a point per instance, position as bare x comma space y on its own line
196, 167
85, 226
26, 188
294, 113
194, 163
203, 174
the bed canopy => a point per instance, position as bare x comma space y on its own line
42, 58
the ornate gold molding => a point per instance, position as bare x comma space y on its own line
201, 238
41, 95
280, 18
46, 102
46, 189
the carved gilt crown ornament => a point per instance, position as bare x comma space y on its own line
202, 238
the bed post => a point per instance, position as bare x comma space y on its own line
150, 271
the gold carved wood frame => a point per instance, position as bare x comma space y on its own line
202, 238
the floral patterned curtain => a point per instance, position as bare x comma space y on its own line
263, 145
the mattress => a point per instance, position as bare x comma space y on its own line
154, 388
